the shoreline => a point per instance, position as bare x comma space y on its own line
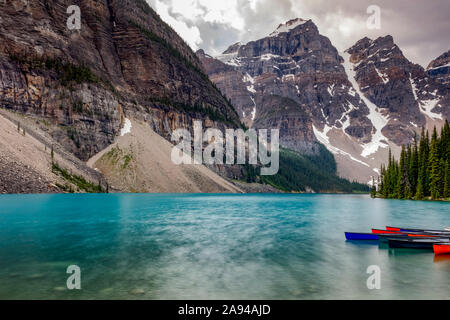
425, 199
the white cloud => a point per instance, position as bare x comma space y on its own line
215, 11
190, 34
184, 16
253, 4
187, 8
419, 27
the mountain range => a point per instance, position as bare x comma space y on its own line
358, 103
94, 109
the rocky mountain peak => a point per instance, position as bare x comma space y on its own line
298, 70
202, 53
233, 48
290, 25
382, 47
441, 61
401, 90
439, 69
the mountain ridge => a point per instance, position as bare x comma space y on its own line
361, 102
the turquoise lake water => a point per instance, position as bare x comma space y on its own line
213, 247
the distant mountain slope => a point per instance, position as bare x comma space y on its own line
311, 173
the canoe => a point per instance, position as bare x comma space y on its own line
441, 248
396, 229
378, 231
409, 233
383, 236
360, 236
386, 237
415, 243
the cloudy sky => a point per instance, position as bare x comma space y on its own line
420, 28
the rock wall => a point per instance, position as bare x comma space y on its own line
123, 61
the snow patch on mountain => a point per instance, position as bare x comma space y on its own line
426, 107
254, 108
288, 77
230, 59
251, 89
346, 115
249, 79
330, 89
323, 138
268, 56
126, 127
439, 67
383, 77
414, 88
288, 26
378, 120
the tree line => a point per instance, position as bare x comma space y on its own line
303, 173
423, 171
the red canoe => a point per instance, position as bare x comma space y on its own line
442, 248
419, 235
393, 229
445, 231
378, 231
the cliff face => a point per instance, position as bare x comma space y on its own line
124, 61
232, 83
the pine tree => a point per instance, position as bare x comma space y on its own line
373, 192
447, 180
423, 162
446, 140
383, 181
414, 166
392, 177
442, 166
420, 195
400, 186
434, 168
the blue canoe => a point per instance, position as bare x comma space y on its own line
360, 236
